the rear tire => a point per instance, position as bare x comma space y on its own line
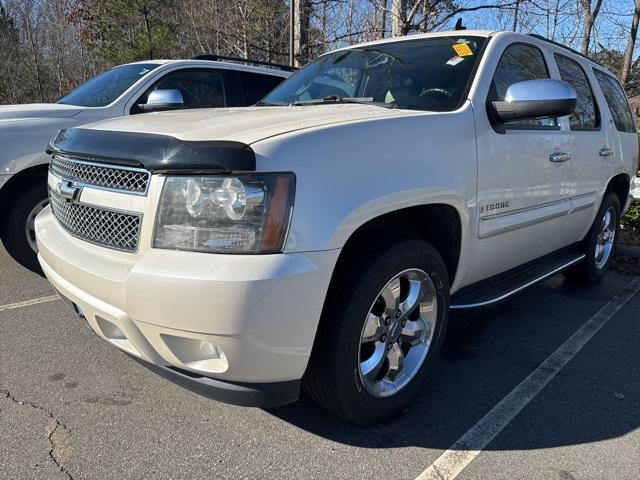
600, 243
18, 234
354, 332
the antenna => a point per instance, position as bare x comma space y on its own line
459, 25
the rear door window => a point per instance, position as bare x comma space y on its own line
585, 116
617, 102
520, 62
256, 86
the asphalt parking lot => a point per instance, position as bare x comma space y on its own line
72, 406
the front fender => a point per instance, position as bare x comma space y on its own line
24, 142
350, 173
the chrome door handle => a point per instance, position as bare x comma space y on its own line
605, 152
558, 157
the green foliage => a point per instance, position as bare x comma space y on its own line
130, 30
631, 220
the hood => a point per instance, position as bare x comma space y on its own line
247, 125
38, 110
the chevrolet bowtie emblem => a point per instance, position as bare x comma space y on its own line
68, 190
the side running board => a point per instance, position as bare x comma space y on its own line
502, 286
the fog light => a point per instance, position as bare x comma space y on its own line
116, 336
197, 354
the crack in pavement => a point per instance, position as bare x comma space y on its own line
57, 424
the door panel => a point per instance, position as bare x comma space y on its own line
588, 138
523, 196
622, 138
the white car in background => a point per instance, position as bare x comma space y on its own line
25, 130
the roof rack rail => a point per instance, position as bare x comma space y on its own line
575, 52
218, 58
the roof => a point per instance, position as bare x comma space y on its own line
472, 33
445, 33
209, 63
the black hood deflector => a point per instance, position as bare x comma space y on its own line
156, 153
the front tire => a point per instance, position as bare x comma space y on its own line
18, 232
382, 326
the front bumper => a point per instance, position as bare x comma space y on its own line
238, 328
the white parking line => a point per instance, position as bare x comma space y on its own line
449, 465
26, 303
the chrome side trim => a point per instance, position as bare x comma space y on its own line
503, 222
520, 288
535, 207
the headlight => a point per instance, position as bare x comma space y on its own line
225, 214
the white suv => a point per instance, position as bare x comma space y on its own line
321, 238
205, 81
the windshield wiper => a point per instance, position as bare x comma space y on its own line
337, 99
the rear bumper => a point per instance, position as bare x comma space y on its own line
238, 328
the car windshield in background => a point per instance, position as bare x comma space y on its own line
425, 74
103, 89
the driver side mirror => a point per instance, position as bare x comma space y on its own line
531, 99
160, 100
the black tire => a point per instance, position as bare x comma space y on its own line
14, 236
589, 271
332, 378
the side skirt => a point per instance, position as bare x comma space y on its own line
504, 285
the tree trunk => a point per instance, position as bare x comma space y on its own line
301, 31
628, 54
515, 16
589, 19
34, 56
556, 12
398, 18
383, 19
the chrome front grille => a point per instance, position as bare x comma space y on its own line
109, 228
104, 176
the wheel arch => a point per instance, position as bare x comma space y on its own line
619, 184
18, 181
422, 221
438, 223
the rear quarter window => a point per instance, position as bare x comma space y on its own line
617, 102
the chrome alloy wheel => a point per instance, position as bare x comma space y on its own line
30, 227
397, 333
606, 237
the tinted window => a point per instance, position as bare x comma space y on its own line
585, 115
425, 74
200, 88
518, 63
617, 101
108, 86
255, 86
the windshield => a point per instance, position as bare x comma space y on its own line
103, 89
426, 74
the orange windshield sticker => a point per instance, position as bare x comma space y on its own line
462, 49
